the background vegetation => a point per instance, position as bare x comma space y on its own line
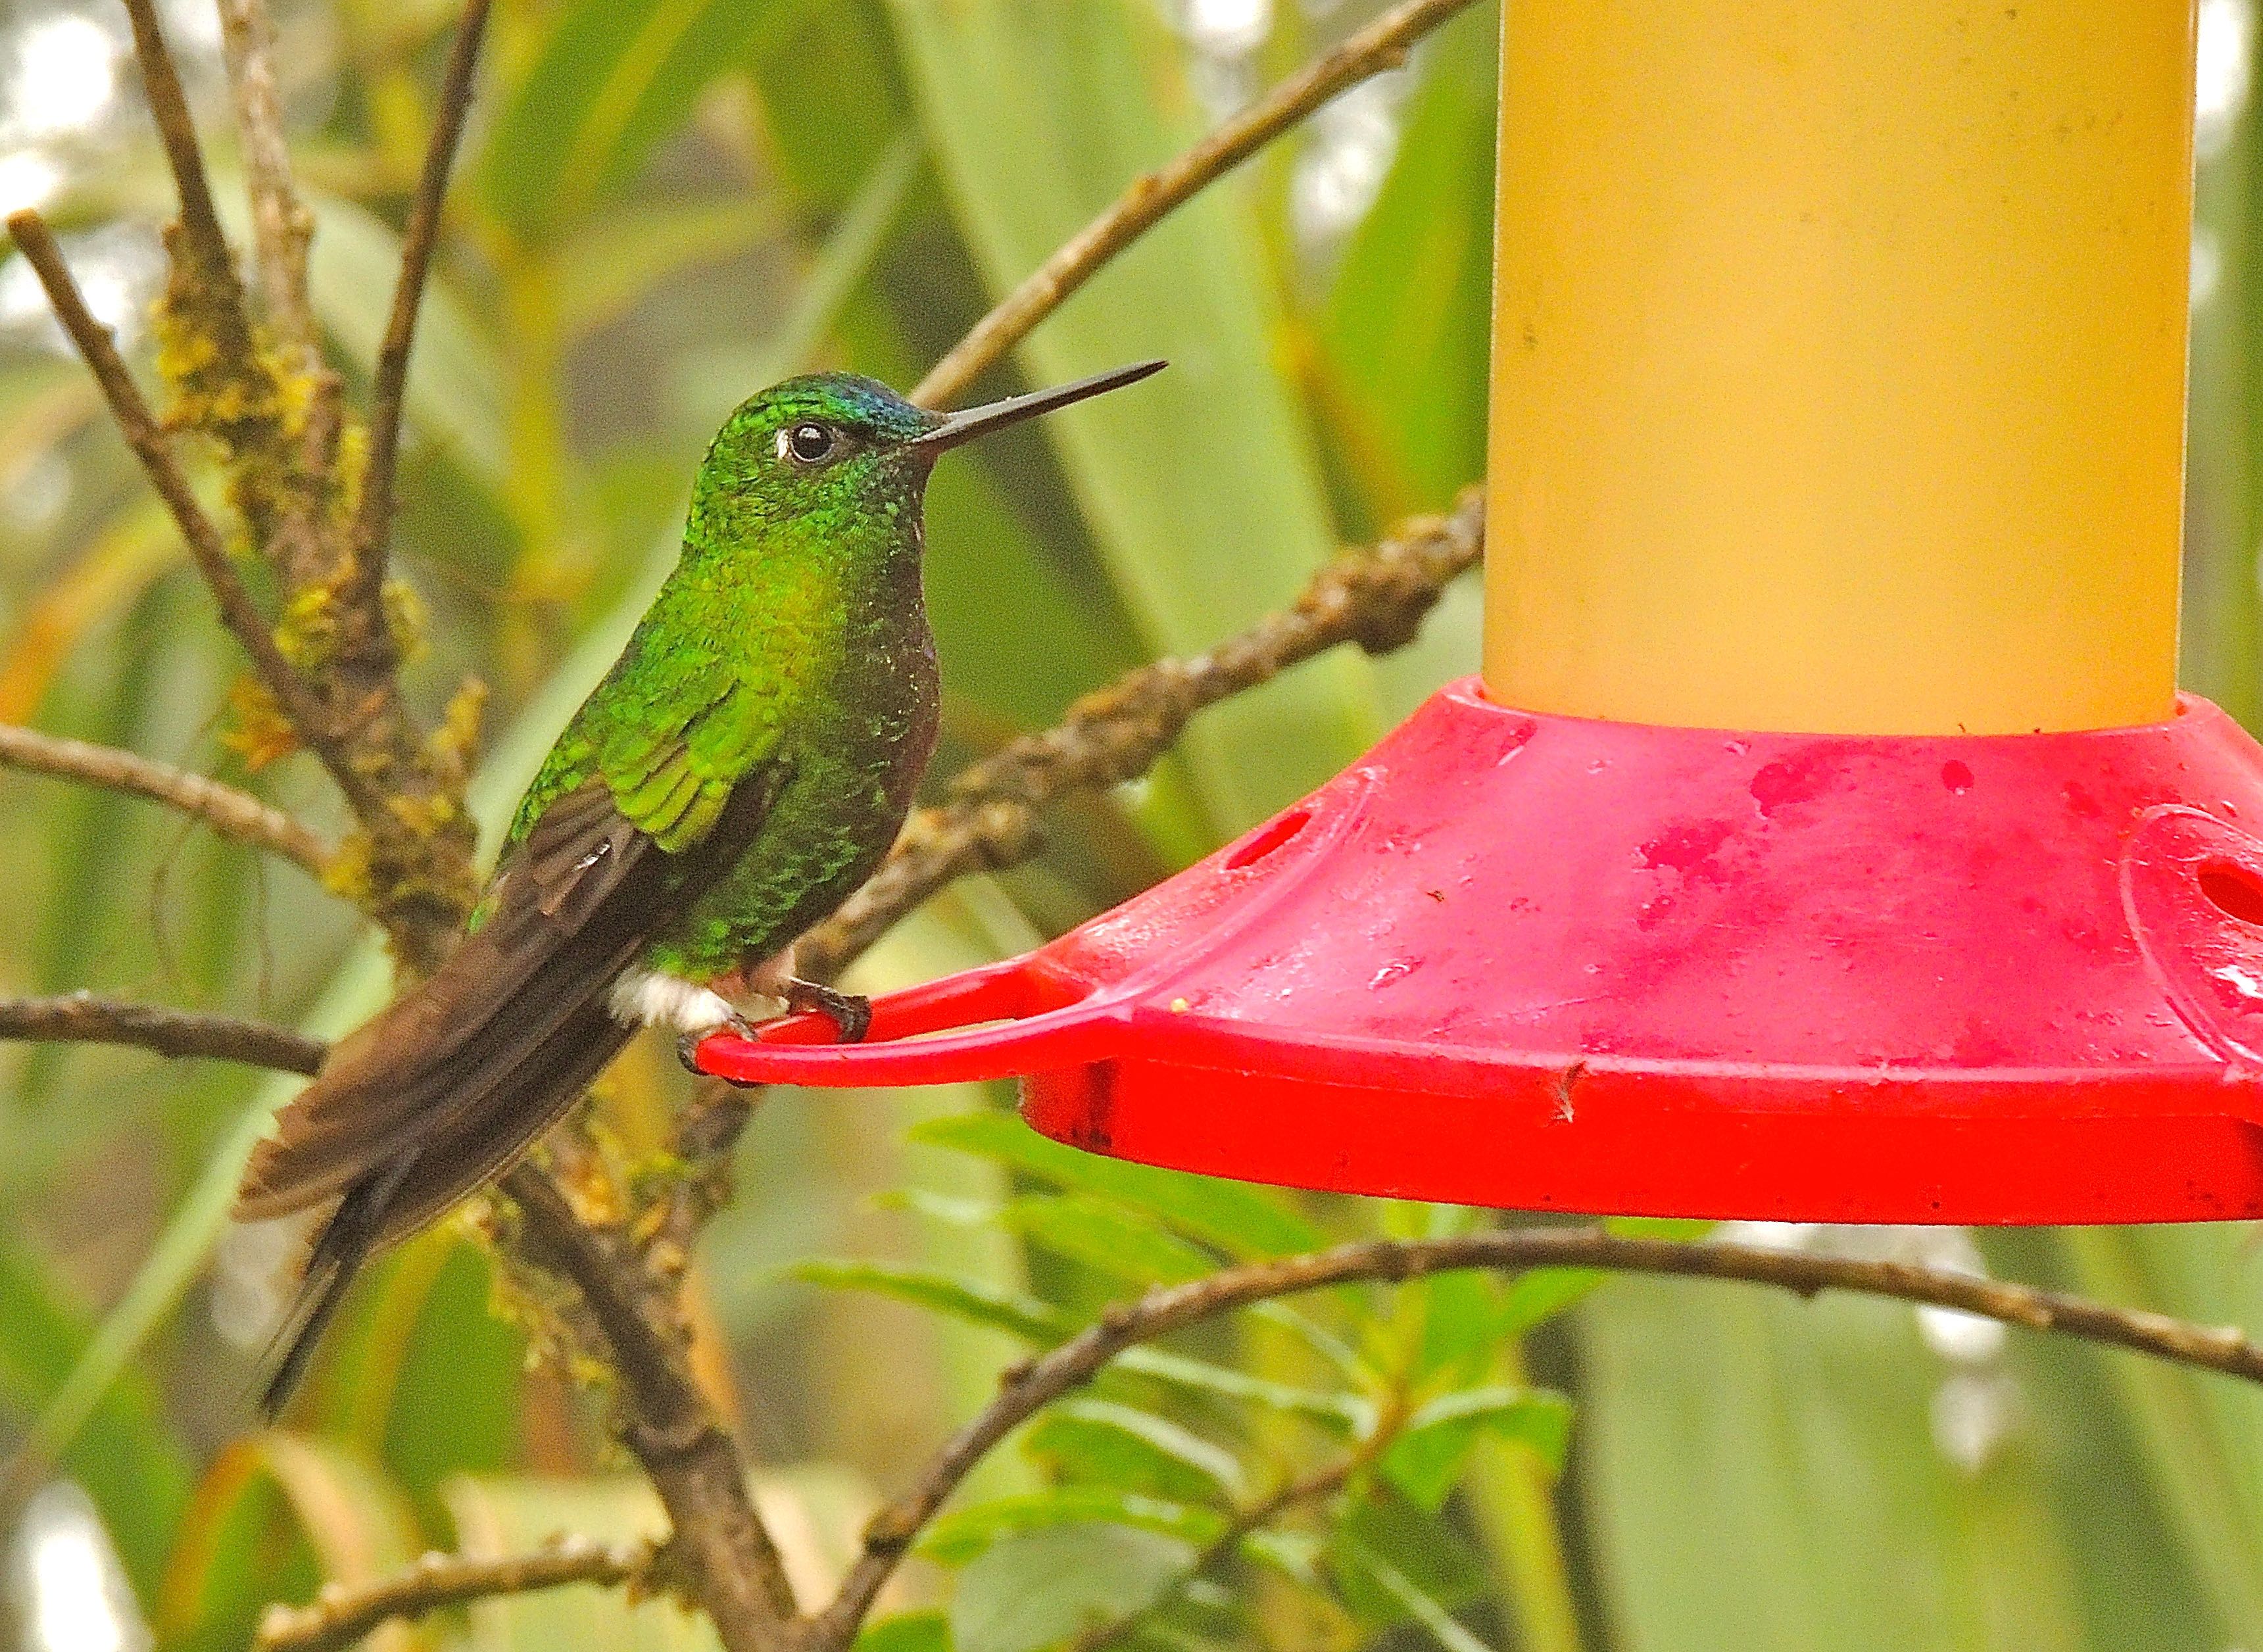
661, 206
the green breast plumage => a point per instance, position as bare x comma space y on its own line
852, 762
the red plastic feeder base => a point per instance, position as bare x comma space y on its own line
1550, 963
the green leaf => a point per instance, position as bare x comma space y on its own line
609, 83
1107, 1238
1407, 319
959, 1536
927, 1631
267, 1504
129, 1460
1296, 1556
1241, 1220
1426, 1460
722, 378
1037, 1588
431, 1374
1533, 1298
2199, 1443
614, 260
1410, 1597
1039, 114
1107, 1444
1750, 1461
1341, 1412
187, 1238
953, 1209
1459, 1323
1420, 1546
456, 378
974, 1299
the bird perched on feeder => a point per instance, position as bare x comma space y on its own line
742, 768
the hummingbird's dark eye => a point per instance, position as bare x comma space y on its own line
808, 442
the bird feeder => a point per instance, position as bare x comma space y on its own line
1825, 839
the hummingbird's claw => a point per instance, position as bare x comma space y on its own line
850, 1013
687, 1045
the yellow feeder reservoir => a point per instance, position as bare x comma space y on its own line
1839, 363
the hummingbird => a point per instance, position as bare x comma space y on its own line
742, 768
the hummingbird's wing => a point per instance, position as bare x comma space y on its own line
466, 1071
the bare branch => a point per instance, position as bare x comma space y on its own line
1376, 596
1382, 45
339, 1617
281, 227
1516, 1250
389, 389
80, 1018
148, 440
232, 813
724, 1549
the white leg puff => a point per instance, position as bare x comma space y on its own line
646, 997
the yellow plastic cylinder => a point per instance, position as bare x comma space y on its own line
1839, 361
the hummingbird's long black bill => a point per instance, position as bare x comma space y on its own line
965, 426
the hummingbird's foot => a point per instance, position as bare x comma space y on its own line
850, 1013
687, 1045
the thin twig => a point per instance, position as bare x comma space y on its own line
389, 388
143, 434
1380, 46
231, 812
338, 1617
80, 1018
281, 227
722, 1543
1376, 595
1161, 1312
202, 238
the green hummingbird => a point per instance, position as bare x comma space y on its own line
741, 768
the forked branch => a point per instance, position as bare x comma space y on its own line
1039, 1382
143, 434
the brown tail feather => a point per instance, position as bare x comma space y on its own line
451, 1083
340, 1249
393, 1200
490, 1135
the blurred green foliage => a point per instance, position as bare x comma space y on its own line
664, 204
